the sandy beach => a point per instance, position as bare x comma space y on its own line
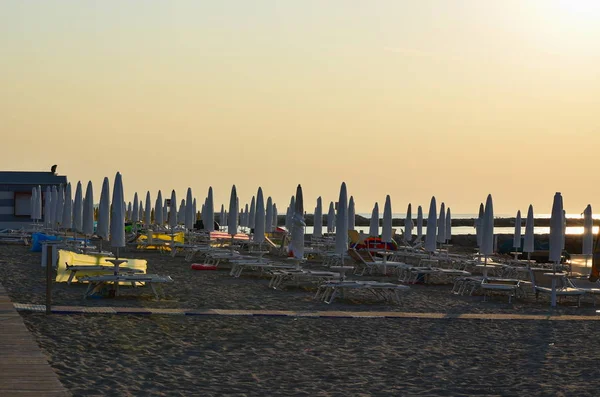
125, 355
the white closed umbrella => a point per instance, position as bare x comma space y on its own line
374, 223
246, 217
341, 223
259, 218
386, 231
103, 228
53, 220
189, 210
479, 226
33, 204
351, 214
557, 238
88, 212
448, 224
195, 217
528, 240
209, 222
430, 236
556, 230
517, 234
408, 224
165, 211
135, 209
78, 209
158, 210
252, 213
331, 218
173, 211
141, 212
298, 225
419, 223
128, 213
67, 216
148, 210
487, 235
269, 216
60, 205
181, 213
289, 213
47, 207
441, 225
318, 219
275, 219
222, 219
232, 221
588, 233
117, 222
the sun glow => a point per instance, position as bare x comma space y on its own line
583, 9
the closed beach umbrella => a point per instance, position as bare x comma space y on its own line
222, 219
88, 210
78, 209
374, 223
195, 217
386, 231
448, 224
165, 212
556, 229
54, 211
517, 235
141, 213
259, 218
135, 210
331, 218
341, 226
252, 213
318, 219
33, 204
588, 234
275, 219
103, 228
117, 215
233, 213
289, 214
158, 210
39, 202
528, 242
430, 242
181, 212
298, 225
148, 210
60, 204
479, 225
487, 236
564, 228
408, 224
269, 216
189, 209
47, 205
351, 214
129, 210
419, 223
246, 216
67, 218
441, 225
173, 211
209, 210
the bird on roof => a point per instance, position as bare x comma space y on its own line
53, 169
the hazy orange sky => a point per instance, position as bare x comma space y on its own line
455, 99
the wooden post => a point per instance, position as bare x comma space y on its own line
49, 265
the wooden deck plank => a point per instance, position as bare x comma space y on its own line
24, 369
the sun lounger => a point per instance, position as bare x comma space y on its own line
281, 276
96, 283
73, 269
390, 292
543, 284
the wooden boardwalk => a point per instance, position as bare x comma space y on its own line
24, 369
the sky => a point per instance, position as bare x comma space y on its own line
455, 99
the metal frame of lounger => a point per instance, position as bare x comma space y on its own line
280, 276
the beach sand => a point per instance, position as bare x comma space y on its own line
124, 355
